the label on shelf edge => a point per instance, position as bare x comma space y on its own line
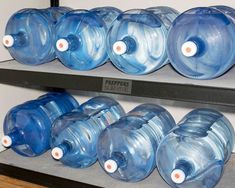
117, 86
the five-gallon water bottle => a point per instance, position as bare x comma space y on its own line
201, 42
136, 41
126, 149
30, 33
194, 153
74, 135
81, 37
27, 127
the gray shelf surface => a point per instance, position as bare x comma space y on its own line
94, 175
165, 75
165, 83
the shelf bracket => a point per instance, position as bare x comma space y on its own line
55, 3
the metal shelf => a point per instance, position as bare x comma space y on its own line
48, 172
54, 3
164, 83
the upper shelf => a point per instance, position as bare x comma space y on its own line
165, 83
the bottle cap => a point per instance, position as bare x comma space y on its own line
119, 47
6, 141
189, 49
62, 45
110, 166
8, 41
178, 176
57, 153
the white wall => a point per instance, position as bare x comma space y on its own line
180, 5
7, 8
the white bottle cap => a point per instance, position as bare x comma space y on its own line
178, 176
110, 166
8, 41
57, 153
189, 49
119, 47
6, 141
62, 45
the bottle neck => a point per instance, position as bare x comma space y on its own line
69, 43
16, 40
12, 139
117, 160
125, 46
182, 170
193, 47
61, 150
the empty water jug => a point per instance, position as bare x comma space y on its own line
29, 35
201, 42
126, 149
81, 37
136, 41
194, 153
27, 127
74, 135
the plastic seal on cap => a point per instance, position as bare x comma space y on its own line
119, 47
8, 41
57, 153
189, 49
178, 176
62, 45
6, 141
110, 166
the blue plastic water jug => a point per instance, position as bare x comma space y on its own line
74, 135
30, 35
81, 37
126, 149
27, 127
201, 42
194, 153
136, 41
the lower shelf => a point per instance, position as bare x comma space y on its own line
48, 172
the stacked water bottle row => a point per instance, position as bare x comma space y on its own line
128, 146
199, 42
